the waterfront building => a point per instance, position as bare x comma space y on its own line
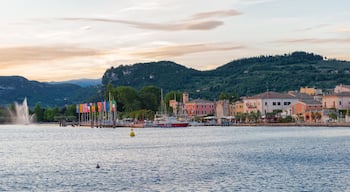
339, 101
269, 102
236, 108
336, 104
222, 112
222, 108
199, 108
307, 110
193, 108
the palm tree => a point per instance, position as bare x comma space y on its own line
318, 116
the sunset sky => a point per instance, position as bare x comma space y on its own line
54, 40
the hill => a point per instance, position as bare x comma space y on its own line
244, 76
80, 82
16, 88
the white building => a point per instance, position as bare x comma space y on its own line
268, 102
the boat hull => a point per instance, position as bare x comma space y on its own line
169, 125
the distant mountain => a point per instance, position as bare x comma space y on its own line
80, 82
16, 88
244, 76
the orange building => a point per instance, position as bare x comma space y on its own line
310, 91
307, 110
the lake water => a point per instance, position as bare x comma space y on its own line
52, 158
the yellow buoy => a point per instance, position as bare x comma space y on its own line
132, 133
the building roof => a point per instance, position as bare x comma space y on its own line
200, 101
341, 94
310, 102
345, 86
271, 95
301, 96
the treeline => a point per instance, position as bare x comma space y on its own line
67, 112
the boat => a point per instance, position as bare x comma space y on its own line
163, 120
168, 122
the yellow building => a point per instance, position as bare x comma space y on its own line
310, 91
236, 108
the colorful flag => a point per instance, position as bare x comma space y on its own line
107, 106
114, 106
99, 105
93, 106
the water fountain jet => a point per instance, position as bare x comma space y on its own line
21, 114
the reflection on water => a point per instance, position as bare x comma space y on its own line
44, 158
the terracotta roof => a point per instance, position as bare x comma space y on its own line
301, 96
310, 102
272, 95
200, 101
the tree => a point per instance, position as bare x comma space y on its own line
150, 98
223, 96
39, 113
318, 116
50, 113
171, 96
128, 98
333, 116
110, 92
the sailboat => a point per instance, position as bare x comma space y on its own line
163, 120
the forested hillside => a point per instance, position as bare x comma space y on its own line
244, 76
16, 88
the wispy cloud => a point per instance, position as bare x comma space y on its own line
320, 26
195, 22
315, 40
191, 25
10, 56
180, 50
216, 14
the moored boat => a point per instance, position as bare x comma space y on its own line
169, 122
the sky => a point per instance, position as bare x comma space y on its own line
57, 40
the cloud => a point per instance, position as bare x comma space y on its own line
316, 40
180, 50
345, 29
320, 26
196, 22
10, 56
221, 13
192, 25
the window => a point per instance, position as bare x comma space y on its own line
265, 103
278, 103
286, 103
273, 103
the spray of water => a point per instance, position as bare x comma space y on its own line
21, 114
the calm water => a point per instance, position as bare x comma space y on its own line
44, 158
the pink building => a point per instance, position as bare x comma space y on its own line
199, 107
342, 88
